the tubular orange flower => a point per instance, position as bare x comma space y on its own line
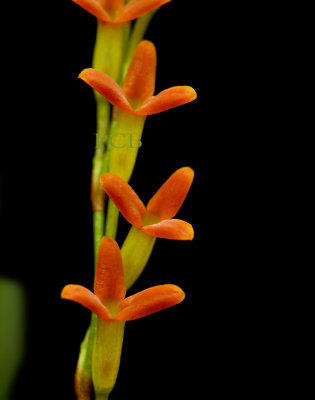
157, 218
136, 94
112, 310
108, 302
115, 12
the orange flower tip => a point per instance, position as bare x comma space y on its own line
189, 234
150, 301
63, 293
180, 294
85, 73
188, 172
174, 96
66, 292
174, 229
191, 93
146, 44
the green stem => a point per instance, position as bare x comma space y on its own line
97, 192
98, 225
112, 218
102, 123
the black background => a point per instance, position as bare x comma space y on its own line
208, 344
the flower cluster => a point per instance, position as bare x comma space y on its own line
123, 81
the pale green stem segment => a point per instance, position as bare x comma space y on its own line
103, 110
98, 226
123, 146
106, 356
97, 192
124, 143
137, 35
135, 252
111, 220
112, 131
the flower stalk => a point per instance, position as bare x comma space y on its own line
136, 251
106, 356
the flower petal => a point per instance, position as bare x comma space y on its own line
136, 8
94, 7
175, 229
125, 198
139, 83
149, 301
87, 299
169, 198
169, 98
109, 283
106, 86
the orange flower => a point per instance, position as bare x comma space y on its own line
108, 300
157, 218
136, 94
115, 12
